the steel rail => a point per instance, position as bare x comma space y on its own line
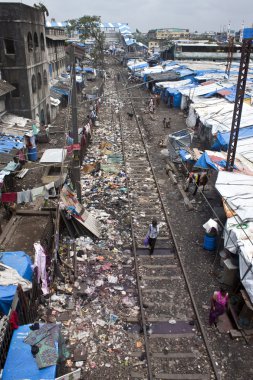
143, 319
216, 373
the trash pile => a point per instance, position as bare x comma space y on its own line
96, 290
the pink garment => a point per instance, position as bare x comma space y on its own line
40, 263
222, 300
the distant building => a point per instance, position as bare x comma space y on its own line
153, 46
199, 50
24, 61
55, 39
171, 33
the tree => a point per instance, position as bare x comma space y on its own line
88, 27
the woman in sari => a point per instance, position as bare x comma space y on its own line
219, 301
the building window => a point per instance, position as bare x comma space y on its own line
15, 93
39, 81
42, 41
45, 77
33, 83
30, 42
36, 42
9, 46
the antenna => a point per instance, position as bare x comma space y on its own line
241, 31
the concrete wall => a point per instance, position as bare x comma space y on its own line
2, 104
22, 62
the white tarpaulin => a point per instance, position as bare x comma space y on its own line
237, 190
9, 276
53, 156
173, 84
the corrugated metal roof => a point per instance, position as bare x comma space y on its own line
5, 87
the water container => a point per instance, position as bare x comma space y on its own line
210, 242
32, 154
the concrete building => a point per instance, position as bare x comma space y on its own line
24, 61
171, 33
153, 46
55, 39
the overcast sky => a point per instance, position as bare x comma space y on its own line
200, 15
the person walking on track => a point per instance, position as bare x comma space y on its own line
153, 232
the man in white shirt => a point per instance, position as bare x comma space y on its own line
153, 233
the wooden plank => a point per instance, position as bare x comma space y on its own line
181, 376
8, 227
33, 213
136, 354
172, 178
168, 266
160, 318
172, 336
153, 278
138, 375
186, 199
174, 355
155, 290
170, 256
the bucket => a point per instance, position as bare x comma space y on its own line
210, 242
32, 154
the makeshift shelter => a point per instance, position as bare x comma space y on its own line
237, 192
179, 142
22, 364
217, 160
54, 172
16, 268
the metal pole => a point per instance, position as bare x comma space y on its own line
239, 98
76, 153
74, 98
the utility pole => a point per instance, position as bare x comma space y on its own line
76, 151
239, 98
230, 55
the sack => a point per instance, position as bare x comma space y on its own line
146, 240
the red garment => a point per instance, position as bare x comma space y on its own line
9, 197
14, 320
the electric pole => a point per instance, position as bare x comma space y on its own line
76, 147
239, 98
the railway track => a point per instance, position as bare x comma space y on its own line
175, 344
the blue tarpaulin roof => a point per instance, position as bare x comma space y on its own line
60, 91
20, 364
88, 69
183, 72
229, 93
186, 156
204, 162
20, 261
138, 66
7, 143
223, 137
